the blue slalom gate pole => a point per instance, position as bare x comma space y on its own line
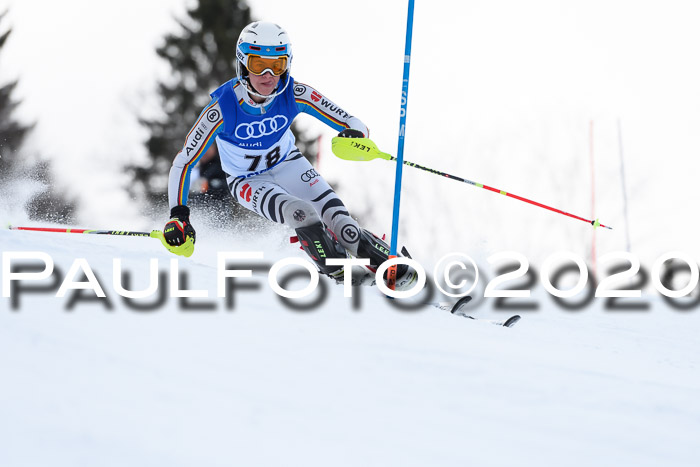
402, 130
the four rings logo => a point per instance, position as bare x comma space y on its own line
262, 128
309, 175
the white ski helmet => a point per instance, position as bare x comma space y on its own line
263, 47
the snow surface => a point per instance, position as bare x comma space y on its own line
265, 385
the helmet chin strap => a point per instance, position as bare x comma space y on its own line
251, 90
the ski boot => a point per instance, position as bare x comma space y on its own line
320, 243
377, 251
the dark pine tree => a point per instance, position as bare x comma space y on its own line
47, 204
12, 133
201, 56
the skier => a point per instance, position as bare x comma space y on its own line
249, 117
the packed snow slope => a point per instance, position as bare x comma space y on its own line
88, 382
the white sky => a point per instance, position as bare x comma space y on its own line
501, 92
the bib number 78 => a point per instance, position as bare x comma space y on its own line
271, 158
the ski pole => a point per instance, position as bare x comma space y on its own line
185, 249
364, 149
127, 233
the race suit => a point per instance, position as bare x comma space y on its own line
266, 172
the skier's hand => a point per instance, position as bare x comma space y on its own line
179, 229
351, 133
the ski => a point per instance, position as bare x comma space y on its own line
457, 309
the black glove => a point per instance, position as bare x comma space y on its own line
178, 229
351, 133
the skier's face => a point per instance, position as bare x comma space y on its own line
265, 84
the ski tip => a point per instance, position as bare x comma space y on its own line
460, 303
510, 322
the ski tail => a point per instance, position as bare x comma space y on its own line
459, 309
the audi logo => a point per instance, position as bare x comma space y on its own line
262, 128
309, 175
